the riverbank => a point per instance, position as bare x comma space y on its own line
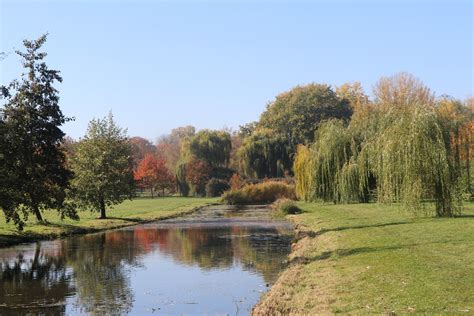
368, 258
138, 211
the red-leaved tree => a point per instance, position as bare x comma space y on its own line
153, 174
198, 172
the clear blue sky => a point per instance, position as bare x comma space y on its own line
162, 64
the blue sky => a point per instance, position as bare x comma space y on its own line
162, 64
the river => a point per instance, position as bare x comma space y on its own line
216, 261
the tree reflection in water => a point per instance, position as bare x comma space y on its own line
256, 249
34, 283
91, 274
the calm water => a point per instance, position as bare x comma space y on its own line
216, 261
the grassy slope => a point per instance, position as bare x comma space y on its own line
376, 259
127, 213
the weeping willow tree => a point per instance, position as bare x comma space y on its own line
330, 152
398, 151
210, 146
264, 155
304, 172
329, 169
408, 152
412, 162
181, 182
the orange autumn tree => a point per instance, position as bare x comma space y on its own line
458, 119
153, 174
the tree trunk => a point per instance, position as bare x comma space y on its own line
102, 209
37, 212
151, 190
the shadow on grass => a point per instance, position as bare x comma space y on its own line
133, 220
464, 216
341, 253
63, 226
343, 228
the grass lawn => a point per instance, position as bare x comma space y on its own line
127, 213
368, 258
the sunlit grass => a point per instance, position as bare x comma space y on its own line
368, 258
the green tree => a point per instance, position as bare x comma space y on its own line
404, 152
102, 166
264, 154
213, 147
32, 157
290, 120
9, 197
296, 114
181, 179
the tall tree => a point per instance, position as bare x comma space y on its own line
213, 147
295, 114
404, 153
264, 154
32, 137
102, 166
291, 119
169, 146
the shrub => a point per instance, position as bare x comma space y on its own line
215, 187
261, 193
237, 182
285, 207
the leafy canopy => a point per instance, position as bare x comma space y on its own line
102, 166
33, 172
210, 146
295, 114
153, 174
290, 120
398, 149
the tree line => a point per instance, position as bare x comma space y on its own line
337, 144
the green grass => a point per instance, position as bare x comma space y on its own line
128, 213
368, 258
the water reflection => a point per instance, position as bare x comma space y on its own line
126, 271
37, 283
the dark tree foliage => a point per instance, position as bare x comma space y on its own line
215, 187
181, 182
222, 173
33, 161
9, 197
212, 147
265, 154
